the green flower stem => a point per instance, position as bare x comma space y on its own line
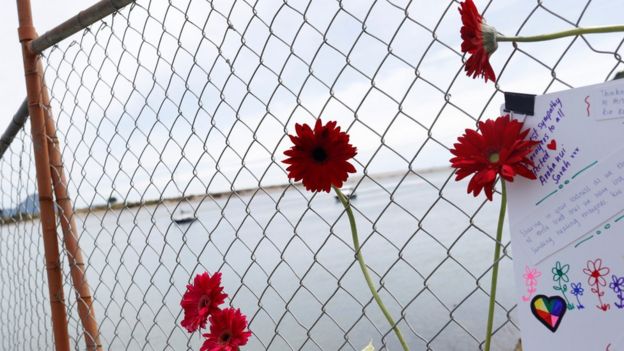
369, 281
499, 237
563, 290
565, 33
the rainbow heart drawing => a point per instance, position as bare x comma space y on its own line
549, 310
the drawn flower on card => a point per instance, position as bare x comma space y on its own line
531, 274
596, 273
577, 290
560, 272
617, 284
530, 281
560, 277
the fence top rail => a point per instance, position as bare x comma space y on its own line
77, 23
52, 37
16, 124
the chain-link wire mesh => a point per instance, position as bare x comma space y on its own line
182, 107
24, 306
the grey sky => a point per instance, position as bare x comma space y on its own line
46, 15
182, 99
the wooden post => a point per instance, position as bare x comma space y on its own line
33, 77
84, 299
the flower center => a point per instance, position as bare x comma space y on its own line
494, 157
595, 274
225, 337
319, 154
203, 302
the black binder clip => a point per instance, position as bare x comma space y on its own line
520, 103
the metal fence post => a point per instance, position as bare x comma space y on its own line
33, 77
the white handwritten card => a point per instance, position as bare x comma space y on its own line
607, 102
567, 227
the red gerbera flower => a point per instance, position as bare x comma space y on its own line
499, 147
227, 331
201, 299
479, 40
320, 156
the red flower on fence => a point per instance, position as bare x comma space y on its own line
499, 147
227, 331
201, 299
479, 40
320, 156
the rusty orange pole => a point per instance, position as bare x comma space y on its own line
33, 77
84, 299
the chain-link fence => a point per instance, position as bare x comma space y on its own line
181, 108
24, 306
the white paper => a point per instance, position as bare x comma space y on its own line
572, 216
606, 102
